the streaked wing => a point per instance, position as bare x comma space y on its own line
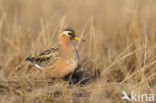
48, 56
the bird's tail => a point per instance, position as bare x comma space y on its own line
31, 59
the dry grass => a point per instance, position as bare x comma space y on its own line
119, 52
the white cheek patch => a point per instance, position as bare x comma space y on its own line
66, 32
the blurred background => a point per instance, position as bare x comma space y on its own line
107, 14
120, 41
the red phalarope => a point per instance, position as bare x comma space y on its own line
59, 61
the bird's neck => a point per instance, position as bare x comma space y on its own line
69, 47
65, 42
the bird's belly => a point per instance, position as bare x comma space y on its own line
64, 65
72, 61
72, 64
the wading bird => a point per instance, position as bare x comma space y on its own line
59, 61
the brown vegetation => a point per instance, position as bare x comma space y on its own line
119, 52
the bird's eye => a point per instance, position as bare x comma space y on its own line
69, 33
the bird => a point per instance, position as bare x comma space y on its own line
60, 60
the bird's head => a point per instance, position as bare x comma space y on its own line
69, 33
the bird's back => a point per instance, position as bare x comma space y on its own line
47, 57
